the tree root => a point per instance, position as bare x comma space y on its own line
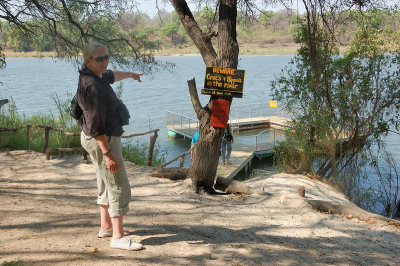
225, 185
350, 212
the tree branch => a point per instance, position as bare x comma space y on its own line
201, 40
72, 21
194, 97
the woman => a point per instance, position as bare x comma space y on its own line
101, 138
226, 145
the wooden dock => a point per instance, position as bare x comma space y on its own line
242, 154
241, 157
188, 128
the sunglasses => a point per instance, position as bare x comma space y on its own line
101, 58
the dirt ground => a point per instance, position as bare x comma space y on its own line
48, 216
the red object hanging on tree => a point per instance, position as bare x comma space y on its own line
220, 113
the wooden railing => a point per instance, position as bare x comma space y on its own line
46, 134
48, 151
181, 156
152, 141
3, 102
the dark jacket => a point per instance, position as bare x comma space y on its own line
99, 104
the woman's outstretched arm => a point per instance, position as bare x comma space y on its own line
120, 75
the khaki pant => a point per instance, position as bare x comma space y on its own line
113, 188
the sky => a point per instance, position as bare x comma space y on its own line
149, 6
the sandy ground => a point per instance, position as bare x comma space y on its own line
48, 216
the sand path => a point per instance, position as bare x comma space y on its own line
48, 216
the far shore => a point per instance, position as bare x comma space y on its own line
184, 51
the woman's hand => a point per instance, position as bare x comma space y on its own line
120, 75
136, 76
112, 164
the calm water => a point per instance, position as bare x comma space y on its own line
31, 82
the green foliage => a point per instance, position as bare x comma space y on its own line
174, 30
347, 100
207, 19
169, 30
207, 16
18, 262
9, 118
266, 17
33, 38
137, 152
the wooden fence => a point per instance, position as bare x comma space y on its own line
48, 150
181, 156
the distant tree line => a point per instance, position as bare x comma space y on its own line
166, 30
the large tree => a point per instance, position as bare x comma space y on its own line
206, 153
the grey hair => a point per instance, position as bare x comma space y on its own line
89, 49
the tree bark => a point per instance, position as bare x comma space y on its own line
204, 164
228, 48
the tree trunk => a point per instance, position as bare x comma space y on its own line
228, 48
206, 153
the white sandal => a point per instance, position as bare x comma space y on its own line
125, 243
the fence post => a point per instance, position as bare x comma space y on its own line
151, 148
182, 161
0, 137
28, 145
256, 142
48, 152
46, 138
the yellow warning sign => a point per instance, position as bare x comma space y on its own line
273, 104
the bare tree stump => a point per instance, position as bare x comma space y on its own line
302, 191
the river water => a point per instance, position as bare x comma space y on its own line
32, 81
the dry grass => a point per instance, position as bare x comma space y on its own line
9, 53
247, 49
